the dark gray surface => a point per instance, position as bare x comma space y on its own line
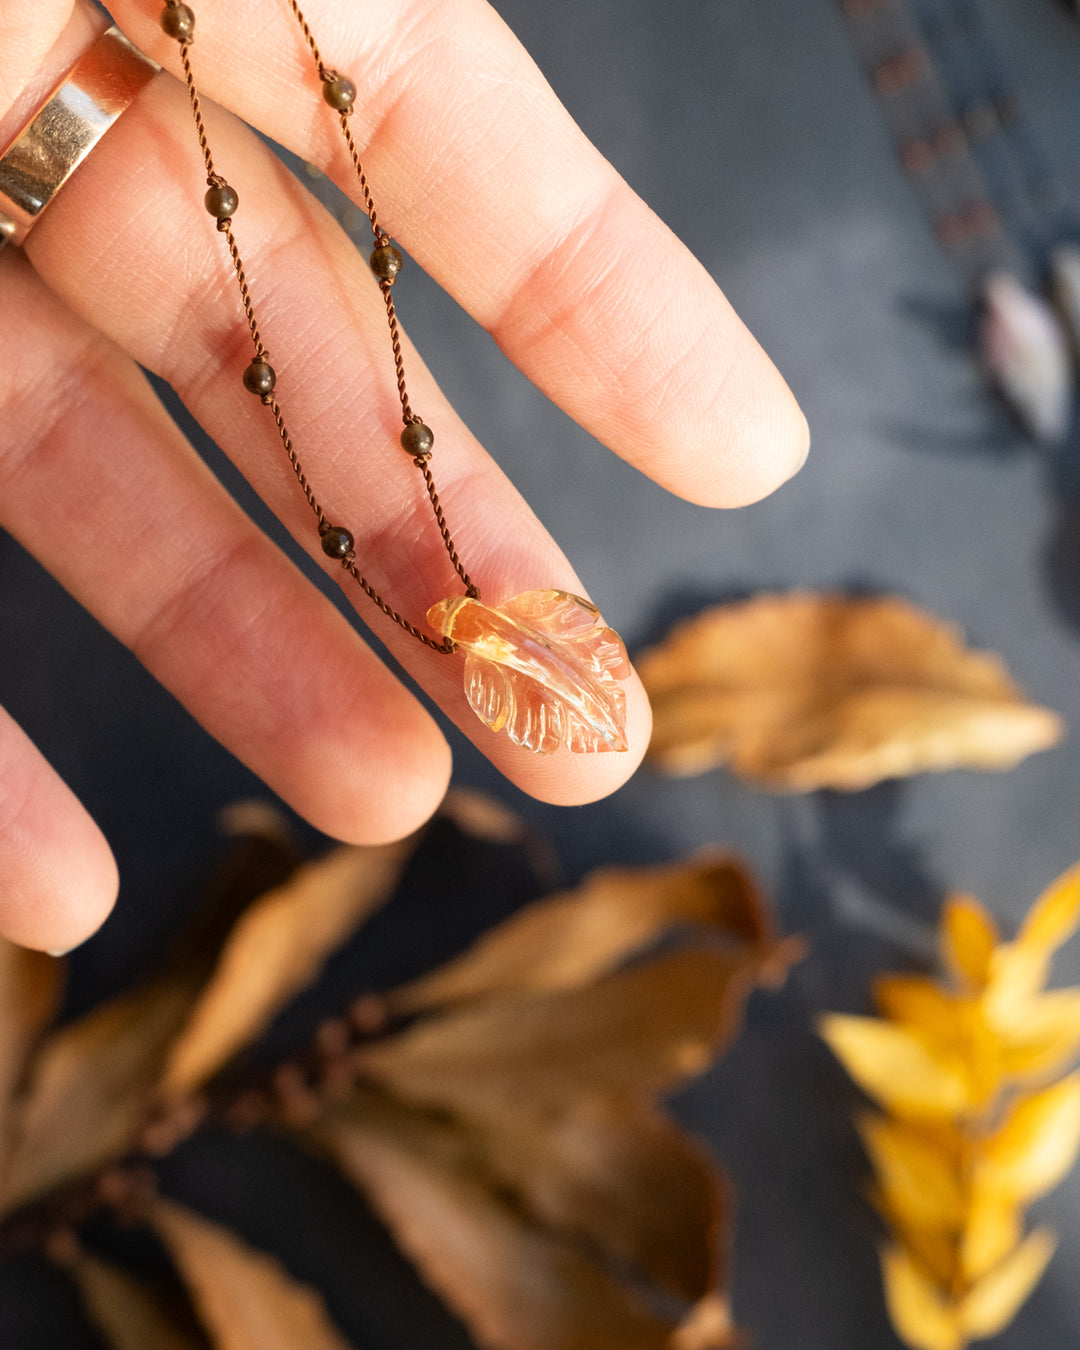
747, 125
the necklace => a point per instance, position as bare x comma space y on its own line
541, 666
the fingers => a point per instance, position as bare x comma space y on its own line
482, 174
102, 487
59, 878
156, 278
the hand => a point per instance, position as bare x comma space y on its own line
483, 178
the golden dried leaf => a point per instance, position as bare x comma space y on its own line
90, 1087
30, 984
933, 1250
968, 938
245, 1298
1039, 1036
516, 1284
993, 1228
1055, 915
992, 1303
542, 667
802, 691
622, 1179
570, 938
1037, 1145
277, 947
921, 1314
638, 1032
921, 1005
128, 1313
917, 1171
896, 1067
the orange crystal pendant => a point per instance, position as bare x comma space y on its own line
542, 667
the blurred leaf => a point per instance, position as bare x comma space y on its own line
129, 1314
993, 1228
30, 986
896, 1067
90, 1087
1040, 1036
708, 1326
639, 1031
916, 1170
968, 938
618, 1177
277, 948
921, 1315
921, 1005
992, 1303
1055, 915
516, 1284
571, 938
1037, 1145
798, 692
245, 1298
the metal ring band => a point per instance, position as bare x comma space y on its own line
63, 131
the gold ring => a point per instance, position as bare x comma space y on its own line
63, 131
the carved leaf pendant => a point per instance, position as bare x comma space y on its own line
542, 667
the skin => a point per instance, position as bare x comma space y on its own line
489, 185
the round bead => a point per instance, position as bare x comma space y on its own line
260, 377
178, 22
337, 542
339, 92
417, 439
221, 201
386, 262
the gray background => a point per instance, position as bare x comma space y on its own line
746, 124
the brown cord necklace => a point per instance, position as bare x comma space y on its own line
541, 666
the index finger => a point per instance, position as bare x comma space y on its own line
486, 180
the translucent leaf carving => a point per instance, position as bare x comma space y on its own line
542, 667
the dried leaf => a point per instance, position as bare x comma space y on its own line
517, 1285
1055, 915
921, 1315
1040, 1036
992, 1303
968, 938
708, 1326
639, 1031
90, 1087
569, 939
993, 1228
916, 1171
622, 1179
542, 667
896, 1067
278, 947
30, 984
803, 691
128, 1313
1037, 1145
245, 1298
921, 1005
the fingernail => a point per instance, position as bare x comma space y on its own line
61, 951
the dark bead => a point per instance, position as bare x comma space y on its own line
386, 262
417, 439
339, 92
178, 22
337, 542
221, 201
260, 377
